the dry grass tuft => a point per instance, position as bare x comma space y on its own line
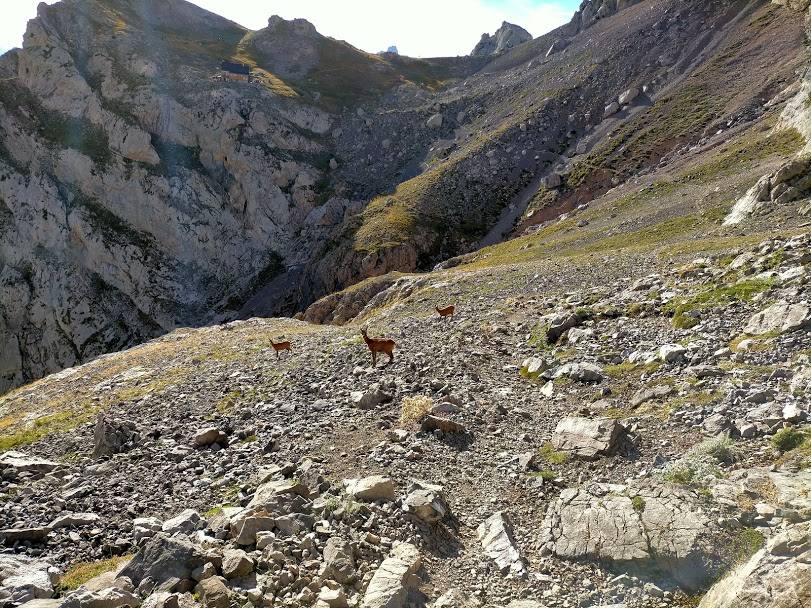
415, 408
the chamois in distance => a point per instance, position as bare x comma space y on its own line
280, 346
379, 345
447, 312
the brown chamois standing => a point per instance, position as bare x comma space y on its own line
280, 346
447, 312
379, 345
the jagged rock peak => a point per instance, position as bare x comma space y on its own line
506, 37
298, 26
591, 11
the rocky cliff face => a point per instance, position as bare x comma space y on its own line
141, 189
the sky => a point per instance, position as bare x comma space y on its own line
419, 28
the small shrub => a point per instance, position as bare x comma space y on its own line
546, 474
681, 320
746, 543
538, 337
682, 475
552, 456
415, 408
721, 449
788, 439
638, 503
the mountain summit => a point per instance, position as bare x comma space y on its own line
505, 38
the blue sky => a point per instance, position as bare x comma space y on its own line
420, 28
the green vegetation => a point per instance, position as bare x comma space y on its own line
745, 150
228, 401
638, 503
746, 543
552, 456
788, 439
742, 291
722, 449
538, 337
682, 475
80, 573
60, 422
671, 121
545, 474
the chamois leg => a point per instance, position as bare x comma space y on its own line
391, 359
374, 359
277, 355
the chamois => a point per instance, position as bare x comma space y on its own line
280, 346
379, 345
447, 312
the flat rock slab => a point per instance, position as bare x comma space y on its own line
498, 542
23, 463
587, 438
375, 487
780, 317
647, 530
389, 587
14, 535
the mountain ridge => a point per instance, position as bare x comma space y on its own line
346, 175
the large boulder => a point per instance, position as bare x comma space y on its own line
17, 463
497, 539
162, 558
23, 579
392, 581
339, 561
369, 489
780, 317
648, 530
110, 597
777, 576
214, 592
113, 436
580, 372
276, 495
588, 438
184, 523
236, 564
426, 502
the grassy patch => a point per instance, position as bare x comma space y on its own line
545, 474
228, 401
746, 543
788, 439
79, 574
638, 503
743, 151
552, 456
60, 422
716, 296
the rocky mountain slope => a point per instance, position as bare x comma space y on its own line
617, 414
144, 190
639, 439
